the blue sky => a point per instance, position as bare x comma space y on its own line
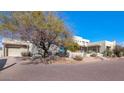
96, 26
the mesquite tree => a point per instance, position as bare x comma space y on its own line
40, 28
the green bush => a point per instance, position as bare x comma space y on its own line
108, 53
73, 47
119, 51
78, 58
26, 54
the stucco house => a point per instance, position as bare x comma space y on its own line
12, 47
98, 47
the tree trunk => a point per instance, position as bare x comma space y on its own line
46, 50
45, 53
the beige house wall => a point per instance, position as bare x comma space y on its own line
103, 45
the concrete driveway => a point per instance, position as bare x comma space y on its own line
96, 71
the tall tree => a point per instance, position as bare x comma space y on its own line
40, 28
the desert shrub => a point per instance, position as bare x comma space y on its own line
119, 51
108, 53
105, 53
26, 54
78, 58
113, 55
93, 55
121, 54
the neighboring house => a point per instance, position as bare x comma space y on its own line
11, 47
98, 47
14, 47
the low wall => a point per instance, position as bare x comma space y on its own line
73, 54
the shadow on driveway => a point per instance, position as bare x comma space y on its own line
3, 63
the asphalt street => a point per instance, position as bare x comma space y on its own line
96, 71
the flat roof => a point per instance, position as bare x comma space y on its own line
78, 37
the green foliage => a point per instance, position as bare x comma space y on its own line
119, 51
72, 46
28, 23
40, 28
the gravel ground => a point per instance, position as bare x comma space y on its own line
97, 71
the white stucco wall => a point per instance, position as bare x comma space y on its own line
107, 43
103, 45
111, 44
1, 53
73, 54
81, 41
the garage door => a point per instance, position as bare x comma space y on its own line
15, 51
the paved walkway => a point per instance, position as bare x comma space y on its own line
88, 71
